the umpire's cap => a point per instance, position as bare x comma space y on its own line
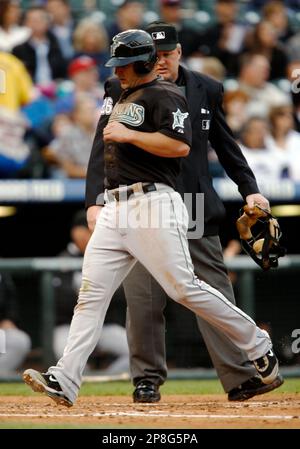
131, 46
164, 35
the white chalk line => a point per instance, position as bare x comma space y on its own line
234, 404
157, 414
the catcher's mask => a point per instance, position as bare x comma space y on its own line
264, 248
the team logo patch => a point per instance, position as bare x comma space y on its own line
178, 119
205, 125
129, 113
158, 35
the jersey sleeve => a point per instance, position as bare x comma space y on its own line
171, 116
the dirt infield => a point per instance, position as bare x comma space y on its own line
273, 411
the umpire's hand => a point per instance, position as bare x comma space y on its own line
260, 200
92, 215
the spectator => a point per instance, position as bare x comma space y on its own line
71, 150
293, 47
225, 39
207, 66
42, 113
14, 151
62, 25
11, 33
18, 342
263, 40
41, 53
84, 78
284, 141
275, 12
129, 15
16, 91
113, 339
171, 12
90, 39
54, 130
235, 107
253, 76
293, 76
17, 85
261, 160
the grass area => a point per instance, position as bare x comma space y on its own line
124, 388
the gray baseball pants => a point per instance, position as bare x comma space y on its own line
121, 237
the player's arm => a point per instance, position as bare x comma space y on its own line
171, 136
232, 158
94, 178
95, 172
155, 143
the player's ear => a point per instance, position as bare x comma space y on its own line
179, 49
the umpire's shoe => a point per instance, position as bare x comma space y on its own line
253, 387
146, 391
46, 383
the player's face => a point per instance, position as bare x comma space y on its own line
168, 64
127, 76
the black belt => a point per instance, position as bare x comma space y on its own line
125, 194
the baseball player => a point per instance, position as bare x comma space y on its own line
148, 132
145, 298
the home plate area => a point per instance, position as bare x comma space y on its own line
174, 411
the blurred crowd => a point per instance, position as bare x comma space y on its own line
52, 75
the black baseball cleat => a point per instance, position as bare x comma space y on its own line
267, 367
146, 391
253, 387
46, 383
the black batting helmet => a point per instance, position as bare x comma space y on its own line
133, 46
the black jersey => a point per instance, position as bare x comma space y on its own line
158, 106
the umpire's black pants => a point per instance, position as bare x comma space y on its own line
146, 324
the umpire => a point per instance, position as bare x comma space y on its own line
145, 298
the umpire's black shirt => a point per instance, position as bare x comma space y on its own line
204, 96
